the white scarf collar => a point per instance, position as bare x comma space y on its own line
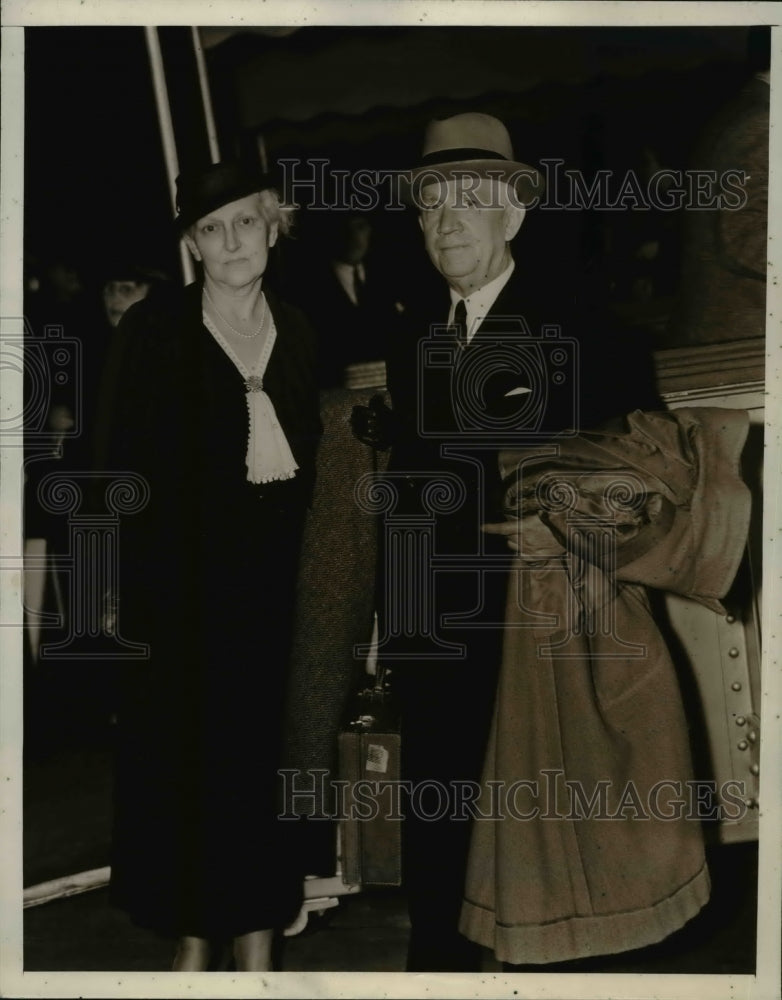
269, 457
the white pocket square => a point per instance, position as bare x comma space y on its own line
518, 390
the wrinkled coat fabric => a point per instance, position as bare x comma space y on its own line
588, 704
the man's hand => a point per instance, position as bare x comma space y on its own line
528, 535
374, 424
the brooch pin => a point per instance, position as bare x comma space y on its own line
254, 383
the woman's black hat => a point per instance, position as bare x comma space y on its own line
201, 191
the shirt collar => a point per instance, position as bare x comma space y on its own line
346, 275
479, 303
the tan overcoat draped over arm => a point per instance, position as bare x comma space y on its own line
595, 845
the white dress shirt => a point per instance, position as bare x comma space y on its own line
347, 275
480, 302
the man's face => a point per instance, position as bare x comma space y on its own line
120, 295
356, 241
465, 232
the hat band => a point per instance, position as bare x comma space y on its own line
463, 153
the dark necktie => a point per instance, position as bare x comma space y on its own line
358, 284
460, 323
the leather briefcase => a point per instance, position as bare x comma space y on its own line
371, 810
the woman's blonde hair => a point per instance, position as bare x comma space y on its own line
274, 210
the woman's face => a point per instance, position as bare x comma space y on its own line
233, 242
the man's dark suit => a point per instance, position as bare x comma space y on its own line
446, 704
348, 332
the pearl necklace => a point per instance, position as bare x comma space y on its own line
245, 336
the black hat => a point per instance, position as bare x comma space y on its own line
119, 268
200, 192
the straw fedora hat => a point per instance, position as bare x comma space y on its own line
473, 143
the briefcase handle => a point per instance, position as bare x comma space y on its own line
374, 706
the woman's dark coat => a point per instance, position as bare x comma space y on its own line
207, 576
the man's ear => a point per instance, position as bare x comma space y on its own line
274, 232
514, 216
191, 246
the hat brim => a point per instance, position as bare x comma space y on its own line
525, 180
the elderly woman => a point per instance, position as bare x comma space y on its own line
215, 406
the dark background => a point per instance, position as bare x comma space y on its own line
95, 184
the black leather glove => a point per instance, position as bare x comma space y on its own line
374, 424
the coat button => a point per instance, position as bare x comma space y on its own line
742, 744
735, 686
740, 720
733, 652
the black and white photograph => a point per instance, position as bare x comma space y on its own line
390, 537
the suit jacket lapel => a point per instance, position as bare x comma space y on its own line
505, 315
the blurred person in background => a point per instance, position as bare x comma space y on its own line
722, 287
126, 282
349, 297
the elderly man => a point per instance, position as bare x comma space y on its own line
487, 364
471, 195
